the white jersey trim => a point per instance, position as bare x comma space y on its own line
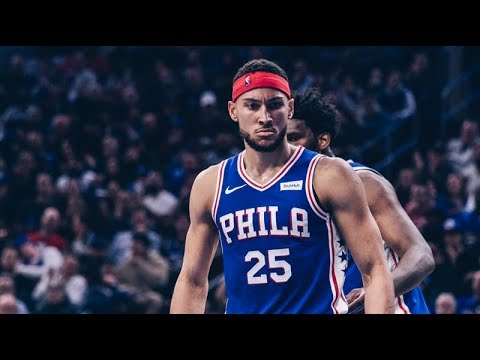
364, 168
243, 174
309, 189
218, 190
336, 275
400, 306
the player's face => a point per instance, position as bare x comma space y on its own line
300, 134
262, 118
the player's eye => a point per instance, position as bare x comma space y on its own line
274, 105
253, 106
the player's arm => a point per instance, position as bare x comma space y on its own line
340, 190
191, 289
399, 232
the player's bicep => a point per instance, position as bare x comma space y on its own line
200, 246
396, 227
348, 203
202, 237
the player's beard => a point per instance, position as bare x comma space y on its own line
264, 148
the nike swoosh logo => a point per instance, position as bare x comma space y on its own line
229, 191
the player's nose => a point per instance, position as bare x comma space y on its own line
266, 117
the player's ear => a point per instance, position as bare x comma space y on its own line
291, 108
232, 111
323, 140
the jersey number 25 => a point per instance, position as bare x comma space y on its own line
273, 263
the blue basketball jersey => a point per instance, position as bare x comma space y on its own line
412, 302
281, 251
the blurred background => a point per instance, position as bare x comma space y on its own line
99, 147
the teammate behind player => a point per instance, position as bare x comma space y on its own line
314, 125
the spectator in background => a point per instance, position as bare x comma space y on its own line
9, 263
48, 234
456, 199
350, 97
7, 287
143, 274
152, 137
85, 242
472, 172
173, 247
375, 84
185, 164
370, 116
9, 260
224, 145
75, 285
55, 300
455, 263
5, 211
132, 165
425, 86
121, 246
157, 200
8, 304
36, 258
45, 197
18, 82
445, 303
396, 100
104, 295
209, 119
301, 78
471, 304
22, 186
461, 150
435, 166
405, 179
470, 222
60, 131
421, 202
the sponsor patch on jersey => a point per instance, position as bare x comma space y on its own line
291, 185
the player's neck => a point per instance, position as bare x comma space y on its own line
327, 151
262, 165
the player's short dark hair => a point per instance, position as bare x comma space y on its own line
318, 114
260, 65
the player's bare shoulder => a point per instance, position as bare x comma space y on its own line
333, 168
203, 188
208, 176
334, 178
378, 189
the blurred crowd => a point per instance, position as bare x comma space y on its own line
99, 147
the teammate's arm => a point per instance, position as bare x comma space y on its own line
399, 232
191, 289
340, 190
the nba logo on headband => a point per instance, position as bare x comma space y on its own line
259, 79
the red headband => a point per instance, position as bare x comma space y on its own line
259, 79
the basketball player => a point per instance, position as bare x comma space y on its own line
314, 125
273, 207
